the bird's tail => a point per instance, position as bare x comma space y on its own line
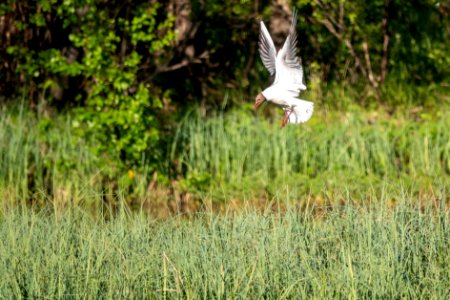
301, 111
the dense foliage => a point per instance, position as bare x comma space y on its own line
89, 55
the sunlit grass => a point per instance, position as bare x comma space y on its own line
42, 161
345, 152
234, 155
370, 251
348, 205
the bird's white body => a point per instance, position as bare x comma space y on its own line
288, 72
297, 110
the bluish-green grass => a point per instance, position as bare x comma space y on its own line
350, 252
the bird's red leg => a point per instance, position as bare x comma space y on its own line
286, 117
283, 121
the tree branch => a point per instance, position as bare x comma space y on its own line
368, 63
331, 28
330, 18
385, 56
358, 63
372, 81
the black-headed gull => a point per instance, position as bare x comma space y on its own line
288, 81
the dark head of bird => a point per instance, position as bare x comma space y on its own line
259, 100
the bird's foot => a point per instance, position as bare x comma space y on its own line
286, 117
284, 120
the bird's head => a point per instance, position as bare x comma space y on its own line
259, 100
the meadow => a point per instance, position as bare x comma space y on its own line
348, 156
353, 252
349, 205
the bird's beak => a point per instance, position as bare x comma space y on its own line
259, 102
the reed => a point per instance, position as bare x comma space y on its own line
234, 155
352, 252
352, 151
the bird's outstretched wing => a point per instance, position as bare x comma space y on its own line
288, 67
267, 49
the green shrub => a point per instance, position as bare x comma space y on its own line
107, 47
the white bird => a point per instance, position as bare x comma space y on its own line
288, 72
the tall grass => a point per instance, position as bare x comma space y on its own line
43, 162
366, 252
396, 245
233, 155
354, 151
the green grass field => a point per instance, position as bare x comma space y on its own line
350, 205
237, 155
333, 155
351, 252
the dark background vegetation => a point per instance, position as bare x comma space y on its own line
126, 72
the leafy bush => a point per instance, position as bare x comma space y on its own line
102, 48
120, 108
